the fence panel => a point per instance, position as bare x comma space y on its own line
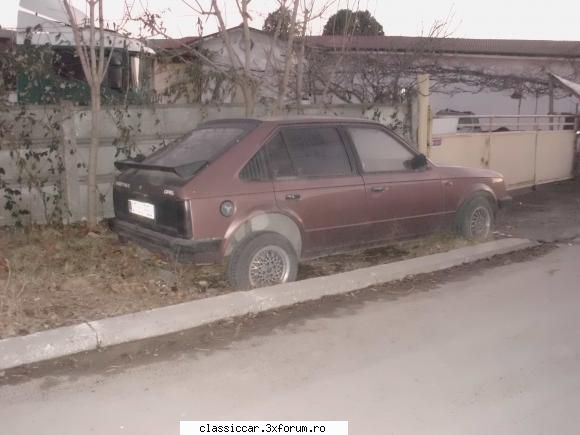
555, 155
513, 155
527, 150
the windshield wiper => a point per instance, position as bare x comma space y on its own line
184, 171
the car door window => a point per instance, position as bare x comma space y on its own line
317, 151
378, 151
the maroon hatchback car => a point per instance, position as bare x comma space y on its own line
260, 195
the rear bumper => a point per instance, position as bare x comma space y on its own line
186, 250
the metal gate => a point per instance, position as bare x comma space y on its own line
527, 149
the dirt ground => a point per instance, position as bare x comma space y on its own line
55, 277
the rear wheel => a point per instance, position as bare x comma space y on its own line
476, 219
263, 260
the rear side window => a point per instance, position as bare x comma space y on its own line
276, 154
378, 151
256, 169
201, 145
316, 151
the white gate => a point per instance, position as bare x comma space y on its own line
527, 150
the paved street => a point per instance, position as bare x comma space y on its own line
495, 352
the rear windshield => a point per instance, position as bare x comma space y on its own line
201, 145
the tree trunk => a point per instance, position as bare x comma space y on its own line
282, 90
300, 73
92, 197
249, 93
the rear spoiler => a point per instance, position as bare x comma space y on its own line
187, 170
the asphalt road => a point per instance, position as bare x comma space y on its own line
550, 213
494, 352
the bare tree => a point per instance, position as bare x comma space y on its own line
90, 46
240, 70
278, 74
369, 77
311, 10
282, 90
271, 66
293, 52
345, 39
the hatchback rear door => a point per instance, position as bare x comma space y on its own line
315, 182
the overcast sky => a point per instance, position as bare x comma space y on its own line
520, 19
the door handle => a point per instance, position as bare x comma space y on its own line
378, 189
293, 197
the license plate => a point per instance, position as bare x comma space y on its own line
141, 208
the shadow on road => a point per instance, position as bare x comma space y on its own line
551, 213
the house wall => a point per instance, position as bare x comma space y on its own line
483, 84
176, 83
266, 62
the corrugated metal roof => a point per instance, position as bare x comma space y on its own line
172, 44
505, 47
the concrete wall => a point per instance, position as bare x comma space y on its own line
138, 128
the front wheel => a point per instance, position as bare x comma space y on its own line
263, 260
476, 219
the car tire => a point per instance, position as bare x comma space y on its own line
476, 219
262, 260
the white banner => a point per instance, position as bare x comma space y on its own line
259, 427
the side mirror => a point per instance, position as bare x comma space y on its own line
418, 162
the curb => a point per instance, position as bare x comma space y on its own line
68, 340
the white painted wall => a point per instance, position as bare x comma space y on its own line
267, 61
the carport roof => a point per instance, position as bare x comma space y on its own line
568, 84
504, 47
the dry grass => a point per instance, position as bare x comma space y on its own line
54, 277
63, 276
381, 255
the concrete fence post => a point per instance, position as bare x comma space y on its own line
423, 85
576, 167
70, 175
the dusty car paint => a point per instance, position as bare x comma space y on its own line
317, 215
